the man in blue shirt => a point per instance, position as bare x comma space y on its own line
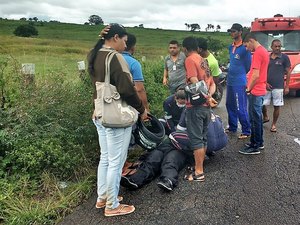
135, 69
236, 97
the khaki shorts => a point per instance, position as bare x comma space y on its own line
276, 95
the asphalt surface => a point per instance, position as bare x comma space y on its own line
239, 189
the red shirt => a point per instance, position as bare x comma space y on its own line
196, 66
260, 61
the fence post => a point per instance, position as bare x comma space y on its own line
81, 68
28, 71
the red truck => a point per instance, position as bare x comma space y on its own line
287, 30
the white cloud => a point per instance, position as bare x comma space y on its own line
167, 14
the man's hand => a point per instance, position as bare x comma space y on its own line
165, 81
212, 102
269, 87
286, 90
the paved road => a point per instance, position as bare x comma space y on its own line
259, 189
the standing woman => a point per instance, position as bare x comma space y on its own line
113, 141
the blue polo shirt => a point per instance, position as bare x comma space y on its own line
276, 70
240, 62
135, 67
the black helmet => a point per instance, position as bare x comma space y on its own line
197, 92
149, 134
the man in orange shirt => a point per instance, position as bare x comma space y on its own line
197, 116
256, 90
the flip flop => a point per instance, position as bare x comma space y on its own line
243, 136
273, 129
195, 177
265, 121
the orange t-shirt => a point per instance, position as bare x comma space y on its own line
196, 66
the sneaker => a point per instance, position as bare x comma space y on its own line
250, 151
165, 184
260, 147
122, 209
126, 182
102, 204
212, 153
227, 130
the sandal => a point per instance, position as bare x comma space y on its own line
273, 129
265, 121
243, 136
195, 177
122, 209
102, 204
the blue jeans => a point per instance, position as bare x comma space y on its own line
256, 119
236, 105
114, 144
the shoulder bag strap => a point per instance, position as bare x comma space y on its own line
107, 66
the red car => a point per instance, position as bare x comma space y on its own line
287, 30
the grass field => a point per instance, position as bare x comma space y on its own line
59, 43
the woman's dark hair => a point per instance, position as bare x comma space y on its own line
114, 29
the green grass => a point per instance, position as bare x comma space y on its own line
61, 38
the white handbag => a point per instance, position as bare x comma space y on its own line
110, 109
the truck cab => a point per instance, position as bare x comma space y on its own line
287, 30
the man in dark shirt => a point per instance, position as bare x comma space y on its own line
279, 66
173, 108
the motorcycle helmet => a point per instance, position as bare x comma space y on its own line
197, 92
149, 134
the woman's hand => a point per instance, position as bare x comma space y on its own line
144, 116
104, 31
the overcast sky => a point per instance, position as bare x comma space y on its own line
165, 14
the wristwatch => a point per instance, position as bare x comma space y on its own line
248, 91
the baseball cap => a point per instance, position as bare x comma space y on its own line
235, 27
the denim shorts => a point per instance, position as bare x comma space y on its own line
197, 120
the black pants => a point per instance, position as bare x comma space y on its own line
165, 160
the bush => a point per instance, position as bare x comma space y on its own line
156, 91
26, 30
46, 126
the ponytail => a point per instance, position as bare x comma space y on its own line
93, 55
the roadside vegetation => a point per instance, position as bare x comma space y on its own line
48, 144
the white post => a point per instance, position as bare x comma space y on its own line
28, 70
81, 68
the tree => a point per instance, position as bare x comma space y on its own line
218, 28
141, 25
35, 19
95, 20
26, 30
195, 26
187, 26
